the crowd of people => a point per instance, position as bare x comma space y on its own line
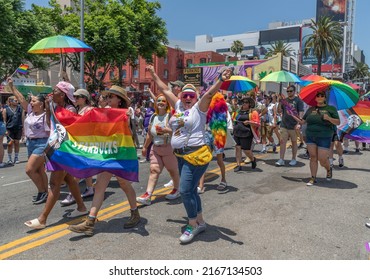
173, 123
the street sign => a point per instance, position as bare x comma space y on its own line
193, 76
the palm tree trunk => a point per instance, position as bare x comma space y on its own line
319, 62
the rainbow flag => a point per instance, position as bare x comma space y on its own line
23, 69
355, 122
93, 143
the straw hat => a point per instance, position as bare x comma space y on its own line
119, 92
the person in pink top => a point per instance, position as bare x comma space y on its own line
37, 132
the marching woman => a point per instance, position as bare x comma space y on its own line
62, 96
37, 132
193, 155
117, 98
161, 154
321, 121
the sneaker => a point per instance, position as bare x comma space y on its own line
247, 160
254, 163
89, 191
86, 227
301, 145
40, 198
199, 190
16, 161
10, 162
190, 232
293, 162
329, 174
134, 219
341, 162
345, 151
68, 200
144, 160
274, 148
169, 184
2, 165
144, 199
357, 150
312, 181
306, 155
237, 168
175, 193
280, 162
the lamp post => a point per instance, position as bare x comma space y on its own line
82, 54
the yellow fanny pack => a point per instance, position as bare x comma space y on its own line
202, 156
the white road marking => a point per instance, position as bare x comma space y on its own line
17, 182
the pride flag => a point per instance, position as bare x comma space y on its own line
93, 143
355, 122
23, 69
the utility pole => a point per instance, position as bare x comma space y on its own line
82, 54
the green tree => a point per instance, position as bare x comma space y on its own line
119, 32
279, 47
360, 71
237, 47
19, 30
327, 38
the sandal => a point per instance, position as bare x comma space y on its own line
222, 186
75, 213
35, 224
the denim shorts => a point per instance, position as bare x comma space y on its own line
36, 146
2, 129
320, 142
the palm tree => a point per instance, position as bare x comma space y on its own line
237, 47
279, 47
360, 71
327, 37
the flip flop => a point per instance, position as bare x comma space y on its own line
222, 186
75, 213
35, 224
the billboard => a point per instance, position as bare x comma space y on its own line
193, 76
329, 64
336, 9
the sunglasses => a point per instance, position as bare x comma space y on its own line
320, 95
190, 95
290, 91
161, 101
79, 96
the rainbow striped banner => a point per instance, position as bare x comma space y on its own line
93, 143
355, 122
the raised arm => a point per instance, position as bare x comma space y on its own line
207, 97
18, 95
172, 99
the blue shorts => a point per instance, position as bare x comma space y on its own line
36, 146
320, 142
210, 142
2, 129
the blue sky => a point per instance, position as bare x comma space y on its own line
187, 18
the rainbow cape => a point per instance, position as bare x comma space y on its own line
23, 69
93, 143
217, 119
355, 122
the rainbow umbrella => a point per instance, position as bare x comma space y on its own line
58, 45
238, 84
339, 95
281, 77
355, 122
309, 79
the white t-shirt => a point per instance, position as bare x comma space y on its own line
194, 125
161, 121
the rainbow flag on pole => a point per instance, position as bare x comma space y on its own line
93, 143
23, 69
355, 122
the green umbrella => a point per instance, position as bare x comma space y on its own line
281, 77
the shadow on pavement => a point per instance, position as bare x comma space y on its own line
321, 182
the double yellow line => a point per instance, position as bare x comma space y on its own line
49, 234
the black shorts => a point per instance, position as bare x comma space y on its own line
15, 134
244, 142
335, 138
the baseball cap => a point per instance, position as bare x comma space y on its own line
177, 83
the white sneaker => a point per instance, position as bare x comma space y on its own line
169, 184
280, 162
68, 200
173, 195
89, 191
293, 162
